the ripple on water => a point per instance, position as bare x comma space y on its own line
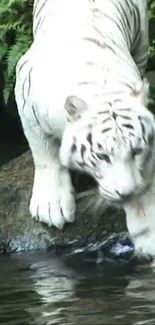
45, 289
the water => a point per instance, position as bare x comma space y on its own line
42, 288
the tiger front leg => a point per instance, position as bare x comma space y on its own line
140, 218
52, 200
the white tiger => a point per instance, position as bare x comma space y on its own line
83, 103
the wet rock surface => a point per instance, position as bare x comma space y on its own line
19, 232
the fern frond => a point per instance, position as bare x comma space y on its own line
15, 52
8, 89
15, 37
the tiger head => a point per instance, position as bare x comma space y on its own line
115, 145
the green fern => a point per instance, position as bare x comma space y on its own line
15, 52
8, 89
15, 37
12, 56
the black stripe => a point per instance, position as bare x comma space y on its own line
21, 66
127, 85
137, 25
81, 164
62, 212
39, 24
92, 162
127, 25
23, 92
113, 20
143, 130
73, 148
34, 113
131, 134
39, 11
117, 101
130, 5
105, 130
83, 150
103, 112
124, 109
93, 40
142, 126
121, 17
49, 212
114, 115
106, 120
99, 146
128, 126
29, 82
98, 31
35, 7
89, 138
99, 44
125, 117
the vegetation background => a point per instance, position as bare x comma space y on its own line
16, 36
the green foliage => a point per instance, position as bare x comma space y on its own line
16, 37
151, 15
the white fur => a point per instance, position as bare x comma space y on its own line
63, 62
140, 215
52, 191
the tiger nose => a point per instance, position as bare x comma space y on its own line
125, 195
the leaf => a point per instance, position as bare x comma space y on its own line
9, 85
3, 51
15, 52
15, 37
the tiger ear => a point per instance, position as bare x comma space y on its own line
75, 107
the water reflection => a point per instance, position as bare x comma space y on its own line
141, 289
44, 289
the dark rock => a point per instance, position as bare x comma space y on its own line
115, 255
12, 140
19, 232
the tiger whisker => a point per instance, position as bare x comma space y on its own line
91, 201
86, 193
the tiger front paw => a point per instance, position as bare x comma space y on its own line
52, 200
